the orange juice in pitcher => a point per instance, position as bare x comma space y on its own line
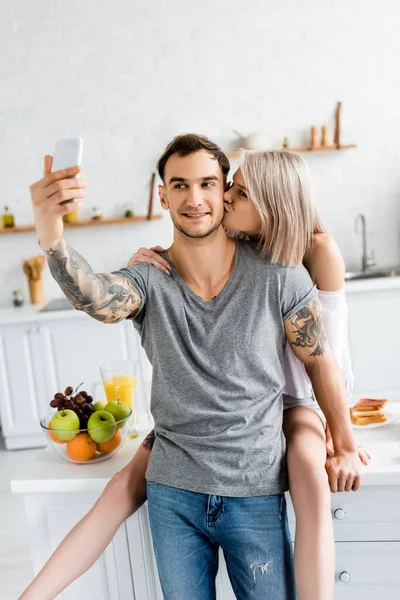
121, 388
119, 381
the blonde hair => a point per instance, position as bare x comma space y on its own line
279, 185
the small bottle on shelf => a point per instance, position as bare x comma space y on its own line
314, 138
324, 136
8, 218
96, 213
18, 299
285, 144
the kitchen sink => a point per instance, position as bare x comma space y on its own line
373, 274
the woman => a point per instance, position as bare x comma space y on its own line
270, 202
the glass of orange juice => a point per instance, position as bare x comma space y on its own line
119, 381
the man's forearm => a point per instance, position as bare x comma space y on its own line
105, 297
331, 395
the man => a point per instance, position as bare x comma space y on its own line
214, 332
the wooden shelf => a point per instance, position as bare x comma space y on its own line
86, 223
304, 149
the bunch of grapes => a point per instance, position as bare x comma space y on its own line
79, 402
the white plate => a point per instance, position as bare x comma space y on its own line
391, 419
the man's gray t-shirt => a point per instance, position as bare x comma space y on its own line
218, 374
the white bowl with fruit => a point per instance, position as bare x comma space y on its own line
82, 431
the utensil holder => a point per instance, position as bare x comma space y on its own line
36, 291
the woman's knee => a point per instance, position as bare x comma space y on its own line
308, 481
306, 457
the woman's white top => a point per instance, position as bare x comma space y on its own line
335, 319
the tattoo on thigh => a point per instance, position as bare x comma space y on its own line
148, 442
309, 329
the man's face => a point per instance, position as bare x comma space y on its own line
193, 192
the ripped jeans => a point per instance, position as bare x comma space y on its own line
189, 528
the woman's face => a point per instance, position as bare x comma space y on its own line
240, 212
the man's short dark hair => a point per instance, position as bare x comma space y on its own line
183, 145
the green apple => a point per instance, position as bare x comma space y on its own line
65, 424
101, 426
119, 411
100, 405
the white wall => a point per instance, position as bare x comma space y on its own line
128, 75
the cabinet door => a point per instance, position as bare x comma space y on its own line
50, 517
74, 349
367, 571
21, 388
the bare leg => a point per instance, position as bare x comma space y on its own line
84, 544
314, 549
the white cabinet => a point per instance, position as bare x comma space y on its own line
367, 571
367, 535
41, 357
366, 524
22, 387
50, 517
125, 571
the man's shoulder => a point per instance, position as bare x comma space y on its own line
139, 272
253, 252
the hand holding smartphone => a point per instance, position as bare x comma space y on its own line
67, 153
58, 195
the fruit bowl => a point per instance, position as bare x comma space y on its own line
83, 446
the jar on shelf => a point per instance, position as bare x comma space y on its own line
18, 299
8, 218
96, 213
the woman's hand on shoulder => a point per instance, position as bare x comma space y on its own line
151, 256
325, 263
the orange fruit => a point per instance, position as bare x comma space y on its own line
109, 446
81, 448
54, 437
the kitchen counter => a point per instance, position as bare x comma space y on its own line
31, 312
45, 471
377, 284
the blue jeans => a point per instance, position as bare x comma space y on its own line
188, 529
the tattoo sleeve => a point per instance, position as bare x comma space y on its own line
149, 440
308, 329
109, 298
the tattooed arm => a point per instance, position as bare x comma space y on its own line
109, 298
306, 335
106, 297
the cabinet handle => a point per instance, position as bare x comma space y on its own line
34, 330
339, 514
345, 577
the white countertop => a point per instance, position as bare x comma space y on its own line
31, 312
45, 471
378, 284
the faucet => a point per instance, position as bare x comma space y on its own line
367, 261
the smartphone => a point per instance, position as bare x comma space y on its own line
67, 153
